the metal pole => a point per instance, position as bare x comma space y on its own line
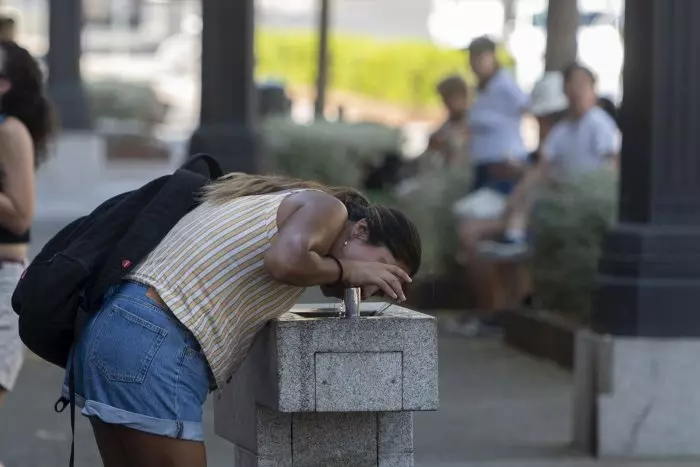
65, 82
322, 72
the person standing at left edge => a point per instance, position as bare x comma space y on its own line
26, 125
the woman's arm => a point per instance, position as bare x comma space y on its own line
309, 223
17, 161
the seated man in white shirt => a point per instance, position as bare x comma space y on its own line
586, 140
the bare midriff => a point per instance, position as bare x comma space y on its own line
14, 252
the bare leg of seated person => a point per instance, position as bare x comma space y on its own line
123, 447
482, 276
512, 242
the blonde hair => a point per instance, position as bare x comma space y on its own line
386, 226
236, 184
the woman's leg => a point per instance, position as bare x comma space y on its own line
111, 449
124, 447
480, 273
521, 201
142, 379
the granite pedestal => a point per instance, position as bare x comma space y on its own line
317, 390
637, 397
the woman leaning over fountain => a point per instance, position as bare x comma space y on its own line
186, 317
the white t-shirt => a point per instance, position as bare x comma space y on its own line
494, 121
575, 147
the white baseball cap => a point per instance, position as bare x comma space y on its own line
548, 96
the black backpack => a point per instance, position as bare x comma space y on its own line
68, 278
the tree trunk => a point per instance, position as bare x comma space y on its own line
508, 17
562, 27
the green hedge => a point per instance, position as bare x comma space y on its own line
329, 152
125, 100
568, 226
401, 72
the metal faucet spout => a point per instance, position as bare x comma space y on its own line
352, 299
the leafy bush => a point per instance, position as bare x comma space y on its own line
568, 226
124, 100
404, 72
328, 152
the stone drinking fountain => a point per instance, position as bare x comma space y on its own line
326, 387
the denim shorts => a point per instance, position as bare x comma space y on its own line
483, 179
137, 366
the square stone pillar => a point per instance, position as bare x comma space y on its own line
65, 81
650, 269
324, 391
228, 122
633, 375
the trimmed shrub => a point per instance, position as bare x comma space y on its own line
568, 226
402, 72
328, 152
125, 100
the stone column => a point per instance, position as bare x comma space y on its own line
637, 384
228, 123
650, 271
65, 83
562, 28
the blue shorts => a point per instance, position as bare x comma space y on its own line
137, 366
483, 179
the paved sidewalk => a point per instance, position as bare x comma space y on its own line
498, 409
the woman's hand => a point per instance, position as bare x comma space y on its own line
376, 276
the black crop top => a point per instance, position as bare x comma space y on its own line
8, 237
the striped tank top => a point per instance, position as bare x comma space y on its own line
209, 271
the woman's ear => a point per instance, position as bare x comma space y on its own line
360, 230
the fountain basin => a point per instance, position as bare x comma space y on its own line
333, 312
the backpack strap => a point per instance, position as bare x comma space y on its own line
62, 403
71, 395
213, 166
176, 198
